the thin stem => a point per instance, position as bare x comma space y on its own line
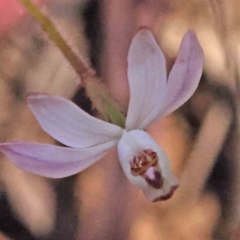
80, 66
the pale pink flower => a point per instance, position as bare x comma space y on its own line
152, 97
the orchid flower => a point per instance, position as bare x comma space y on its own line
152, 97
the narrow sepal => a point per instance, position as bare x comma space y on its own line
53, 161
69, 124
185, 74
147, 80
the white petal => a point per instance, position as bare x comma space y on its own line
129, 146
147, 80
185, 74
69, 124
53, 161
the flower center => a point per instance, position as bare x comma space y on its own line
145, 165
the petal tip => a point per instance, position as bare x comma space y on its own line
35, 95
168, 195
190, 32
192, 39
144, 30
144, 33
3, 145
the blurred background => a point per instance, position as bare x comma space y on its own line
201, 139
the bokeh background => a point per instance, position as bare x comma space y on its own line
201, 138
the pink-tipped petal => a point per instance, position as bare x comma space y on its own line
147, 80
185, 74
146, 165
53, 161
69, 124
